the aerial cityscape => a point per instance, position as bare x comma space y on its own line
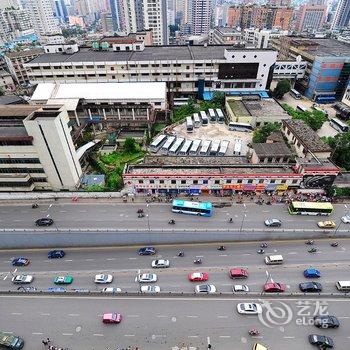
174, 174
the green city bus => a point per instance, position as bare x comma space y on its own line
10, 341
310, 208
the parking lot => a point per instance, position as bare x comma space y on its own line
213, 132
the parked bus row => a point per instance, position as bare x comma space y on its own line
201, 118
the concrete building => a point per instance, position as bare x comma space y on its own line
36, 149
187, 70
234, 16
116, 21
226, 36
112, 104
42, 16
201, 12
6, 81
107, 22
311, 17
328, 65
155, 18
277, 152
61, 10
15, 63
256, 38
342, 15
306, 142
18, 21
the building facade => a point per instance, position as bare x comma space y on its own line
6, 81
311, 17
342, 15
36, 150
201, 12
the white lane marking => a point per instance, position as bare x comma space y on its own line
199, 256
224, 336
265, 211
63, 211
192, 316
73, 315
103, 211
68, 260
82, 211
223, 255
162, 316
89, 259
37, 333
17, 220
132, 258
133, 315
129, 335
340, 251
222, 316
342, 317
98, 335
16, 313
226, 284
109, 259
292, 253
159, 336
67, 333
286, 337
247, 254
5, 278
193, 336
44, 314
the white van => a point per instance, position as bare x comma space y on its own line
273, 259
343, 286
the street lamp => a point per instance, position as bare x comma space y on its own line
340, 222
48, 215
243, 218
148, 225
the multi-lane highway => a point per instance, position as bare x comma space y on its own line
162, 322
114, 216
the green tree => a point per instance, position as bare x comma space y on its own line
2, 91
341, 149
130, 145
218, 99
261, 134
184, 111
283, 86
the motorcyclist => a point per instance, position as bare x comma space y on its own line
261, 251
230, 220
310, 241
35, 205
198, 261
334, 244
263, 245
221, 247
180, 253
253, 331
172, 221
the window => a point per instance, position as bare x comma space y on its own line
173, 182
161, 181
165, 65
183, 182
272, 181
217, 182
283, 181
195, 182
112, 68
261, 181
294, 181
205, 182
79, 67
250, 181
140, 181
187, 75
144, 65
157, 103
151, 181
101, 67
239, 181
155, 65
90, 67
199, 65
228, 181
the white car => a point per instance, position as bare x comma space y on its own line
249, 308
346, 219
160, 263
240, 288
150, 289
205, 289
111, 290
22, 279
103, 279
146, 278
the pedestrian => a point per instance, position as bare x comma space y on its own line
48, 340
44, 342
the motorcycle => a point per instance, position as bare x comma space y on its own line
171, 222
35, 205
139, 211
222, 247
230, 220
334, 244
197, 261
312, 250
263, 245
310, 242
141, 215
260, 251
253, 332
181, 254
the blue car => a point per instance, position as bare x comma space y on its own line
147, 251
56, 289
56, 254
20, 262
312, 273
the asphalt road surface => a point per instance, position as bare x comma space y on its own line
124, 264
152, 324
123, 216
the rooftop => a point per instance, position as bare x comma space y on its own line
277, 149
17, 111
275, 136
13, 131
99, 91
24, 53
3, 73
11, 99
150, 53
306, 135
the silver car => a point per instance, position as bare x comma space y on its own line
273, 223
346, 219
205, 289
146, 278
160, 263
240, 288
150, 289
22, 279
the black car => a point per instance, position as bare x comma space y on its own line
310, 287
326, 321
147, 251
44, 222
56, 254
20, 262
322, 341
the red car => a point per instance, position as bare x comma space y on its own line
198, 276
238, 273
274, 287
112, 318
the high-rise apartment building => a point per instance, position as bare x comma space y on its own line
311, 16
114, 5
279, 2
342, 15
200, 16
155, 18
107, 22
234, 16
61, 10
42, 16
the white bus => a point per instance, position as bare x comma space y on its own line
339, 125
295, 94
214, 148
189, 124
301, 108
180, 101
212, 115
195, 147
205, 148
176, 146
205, 120
157, 143
238, 147
185, 148
197, 120
221, 117
223, 147
167, 144
234, 126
